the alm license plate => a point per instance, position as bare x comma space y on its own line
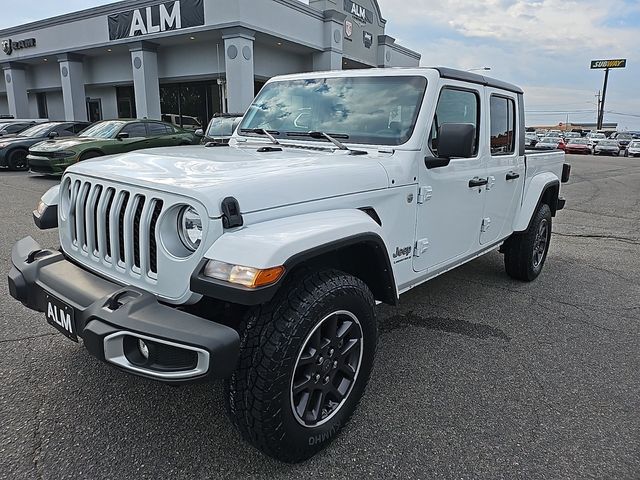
61, 316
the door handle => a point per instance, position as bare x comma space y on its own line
513, 176
478, 182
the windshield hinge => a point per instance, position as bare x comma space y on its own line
424, 194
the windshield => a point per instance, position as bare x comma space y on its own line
598, 135
550, 140
609, 143
223, 127
579, 141
366, 110
624, 136
36, 130
103, 130
635, 144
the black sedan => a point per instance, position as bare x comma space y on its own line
14, 148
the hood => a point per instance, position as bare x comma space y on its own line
258, 180
64, 143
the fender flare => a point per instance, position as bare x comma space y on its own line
46, 214
533, 196
291, 242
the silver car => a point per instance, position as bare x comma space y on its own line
607, 147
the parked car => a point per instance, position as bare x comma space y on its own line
607, 147
570, 135
578, 145
220, 128
530, 140
11, 128
186, 122
623, 139
633, 150
105, 138
289, 238
551, 143
14, 148
594, 138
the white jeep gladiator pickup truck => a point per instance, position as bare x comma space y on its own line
261, 262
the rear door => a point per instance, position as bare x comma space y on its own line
505, 166
449, 210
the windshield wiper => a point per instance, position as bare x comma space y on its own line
333, 138
262, 131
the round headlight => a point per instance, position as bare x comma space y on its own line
190, 228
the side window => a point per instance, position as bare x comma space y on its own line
135, 130
65, 130
456, 106
157, 129
503, 125
78, 127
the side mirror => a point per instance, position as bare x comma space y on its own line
199, 132
53, 135
122, 135
455, 140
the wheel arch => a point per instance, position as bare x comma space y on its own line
346, 240
544, 188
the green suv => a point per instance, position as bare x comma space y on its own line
109, 137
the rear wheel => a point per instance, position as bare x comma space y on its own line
17, 160
525, 253
305, 360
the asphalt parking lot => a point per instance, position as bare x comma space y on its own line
477, 376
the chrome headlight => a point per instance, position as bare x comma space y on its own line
190, 228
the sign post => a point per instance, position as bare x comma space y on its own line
606, 65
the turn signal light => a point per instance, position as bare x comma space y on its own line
241, 275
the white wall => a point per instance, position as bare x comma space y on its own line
108, 99
271, 61
44, 76
112, 68
178, 60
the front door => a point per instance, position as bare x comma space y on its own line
449, 209
505, 167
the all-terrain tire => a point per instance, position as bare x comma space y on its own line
526, 252
275, 342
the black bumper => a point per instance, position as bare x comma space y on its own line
103, 309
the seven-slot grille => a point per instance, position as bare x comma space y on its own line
114, 226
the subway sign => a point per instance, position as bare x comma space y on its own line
157, 18
620, 63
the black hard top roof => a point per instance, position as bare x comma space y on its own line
471, 77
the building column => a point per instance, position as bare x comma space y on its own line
146, 86
331, 57
72, 79
238, 60
16, 81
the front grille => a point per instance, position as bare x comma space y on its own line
114, 226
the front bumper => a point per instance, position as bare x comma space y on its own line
49, 166
107, 316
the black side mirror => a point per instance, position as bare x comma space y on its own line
122, 135
455, 140
53, 135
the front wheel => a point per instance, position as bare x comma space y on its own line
305, 361
526, 252
17, 160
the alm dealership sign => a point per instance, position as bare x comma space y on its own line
619, 63
156, 18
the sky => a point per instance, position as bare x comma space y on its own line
545, 46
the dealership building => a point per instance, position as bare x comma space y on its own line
192, 58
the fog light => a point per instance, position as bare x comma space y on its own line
144, 349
